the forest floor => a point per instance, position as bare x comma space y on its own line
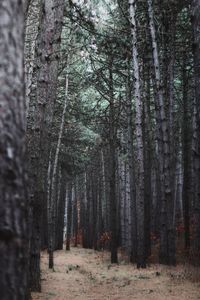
88, 275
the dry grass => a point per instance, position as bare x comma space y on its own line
191, 273
86, 274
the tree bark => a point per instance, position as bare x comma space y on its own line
140, 205
75, 214
62, 210
52, 209
13, 196
31, 33
196, 138
167, 230
26, 6
39, 133
147, 162
133, 254
186, 156
69, 215
112, 168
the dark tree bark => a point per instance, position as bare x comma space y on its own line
147, 162
26, 6
13, 196
196, 139
167, 230
140, 205
89, 213
69, 215
75, 215
133, 254
84, 212
112, 168
54, 182
43, 97
186, 157
61, 211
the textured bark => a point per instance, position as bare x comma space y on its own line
61, 211
128, 211
13, 196
104, 194
141, 258
124, 194
95, 208
124, 190
105, 174
75, 215
147, 163
99, 207
167, 230
131, 167
88, 206
43, 97
186, 157
112, 169
196, 137
83, 212
69, 215
178, 205
169, 27
30, 45
26, 6
121, 172
52, 210
58, 212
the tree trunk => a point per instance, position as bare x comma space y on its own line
47, 59
167, 230
13, 196
112, 169
61, 210
29, 48
75, 214
52, 209
26, 6
147, 162
121, 172
133, 254
140, 205
196, 144
69, 215
186, 157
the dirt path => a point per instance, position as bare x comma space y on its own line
86, 274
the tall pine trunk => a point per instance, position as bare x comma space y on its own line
69, 214
140, 205
13, 196
112, 173
167, 230
46, 76
186, 157
196, 139
52, 210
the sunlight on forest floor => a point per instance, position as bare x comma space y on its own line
87, 274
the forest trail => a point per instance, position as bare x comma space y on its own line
87, 275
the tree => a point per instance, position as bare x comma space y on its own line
112, 165
52, 200
13, 196
139, 144
124, 153
69, 214
40, 121
196, 142
26, 6
167, 234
